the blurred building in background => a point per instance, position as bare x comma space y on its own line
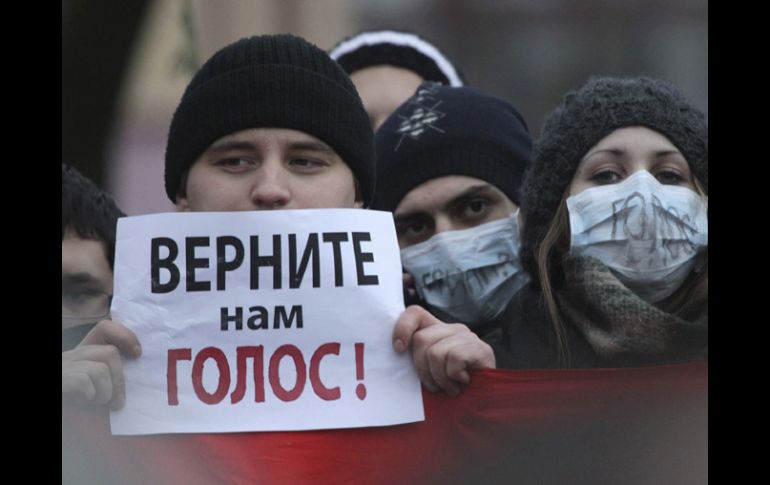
140, 57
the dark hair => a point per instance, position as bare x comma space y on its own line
87, 210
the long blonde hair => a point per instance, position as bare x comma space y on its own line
686, 301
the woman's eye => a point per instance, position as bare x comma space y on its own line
670, 177
606, 177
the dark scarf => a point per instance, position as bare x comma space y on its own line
619, 326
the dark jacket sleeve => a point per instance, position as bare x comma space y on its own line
525, 340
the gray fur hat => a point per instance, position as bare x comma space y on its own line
587, 115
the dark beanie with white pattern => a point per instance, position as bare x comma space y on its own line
444, 130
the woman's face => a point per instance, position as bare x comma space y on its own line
626, 151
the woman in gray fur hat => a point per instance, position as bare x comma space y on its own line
615, 232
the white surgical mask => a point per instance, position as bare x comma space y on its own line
468, 276
647, 233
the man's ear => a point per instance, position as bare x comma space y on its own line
359, 202
181, 204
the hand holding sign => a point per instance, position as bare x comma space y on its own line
443, 352
274, 320
92, 372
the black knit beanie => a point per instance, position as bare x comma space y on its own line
443, 130
271, 81
395, 48
586, 116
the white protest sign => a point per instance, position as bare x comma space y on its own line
262, 321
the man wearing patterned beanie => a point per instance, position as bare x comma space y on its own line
449, 164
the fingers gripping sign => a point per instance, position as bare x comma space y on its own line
92, 372
410, 293
443, 353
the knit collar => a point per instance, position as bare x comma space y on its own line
621, 327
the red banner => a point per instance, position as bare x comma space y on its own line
641, 425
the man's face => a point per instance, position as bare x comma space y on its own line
268, 168
383, 89
86, 280
448, 203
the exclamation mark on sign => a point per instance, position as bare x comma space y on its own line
360, 388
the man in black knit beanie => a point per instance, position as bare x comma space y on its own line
268, 122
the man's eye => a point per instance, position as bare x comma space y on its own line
416, 228
72, 294
606, 177
79, 294
412, 229
307, 163
233, 162
476, 207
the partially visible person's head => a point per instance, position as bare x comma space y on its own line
386, 67
270, 122
637, 150
451, 162
89, 221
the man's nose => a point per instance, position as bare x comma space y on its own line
271, 189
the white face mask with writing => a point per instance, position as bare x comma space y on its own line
470, 275
647, 233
